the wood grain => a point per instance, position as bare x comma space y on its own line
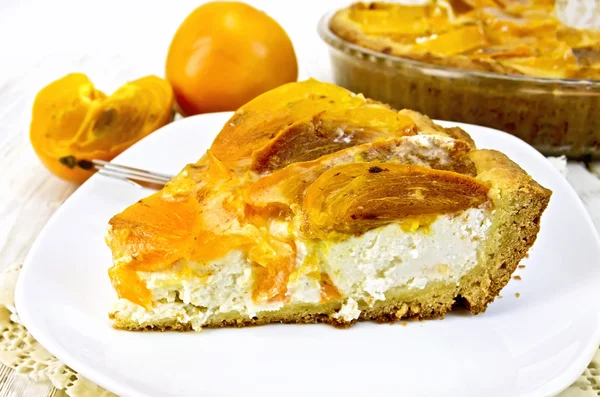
28, 197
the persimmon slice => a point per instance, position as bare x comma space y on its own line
288, 185
274, 261
155, 232
399, 20
455, 41
353, 198
150, 235
130, 113
129, 286
259, 121
330, 132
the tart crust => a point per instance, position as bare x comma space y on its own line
163, 231
519, 202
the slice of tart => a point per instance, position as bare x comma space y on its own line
317, 205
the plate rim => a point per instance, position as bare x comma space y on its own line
569, 376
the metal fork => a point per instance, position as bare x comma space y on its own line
135, 176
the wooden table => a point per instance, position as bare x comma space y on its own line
52, 41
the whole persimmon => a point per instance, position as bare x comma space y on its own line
226, 53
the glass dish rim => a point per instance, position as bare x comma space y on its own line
329, 37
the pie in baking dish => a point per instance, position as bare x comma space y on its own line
504, 36
315, 204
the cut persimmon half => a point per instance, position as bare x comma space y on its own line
74, 123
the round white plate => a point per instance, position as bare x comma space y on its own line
535, 345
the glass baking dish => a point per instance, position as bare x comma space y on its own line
556, 116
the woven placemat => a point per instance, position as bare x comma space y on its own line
19, 350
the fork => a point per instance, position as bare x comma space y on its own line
135, 176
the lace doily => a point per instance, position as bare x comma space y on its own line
20, 351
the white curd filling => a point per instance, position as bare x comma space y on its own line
365, 267
362, 268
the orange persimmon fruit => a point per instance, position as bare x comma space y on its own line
226, 53
356, 197
73, 122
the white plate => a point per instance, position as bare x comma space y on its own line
535, 345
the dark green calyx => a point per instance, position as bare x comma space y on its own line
68, 161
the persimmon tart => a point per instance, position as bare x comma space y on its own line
314, 204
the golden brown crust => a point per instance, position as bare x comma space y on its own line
519, 202
425, 125
459, 133
390, 311
382, 318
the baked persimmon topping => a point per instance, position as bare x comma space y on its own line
287, 186
260, 120
330, 165
505, 36
327, 133
353, 198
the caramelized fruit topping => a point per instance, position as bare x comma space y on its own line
274, 261
257, 122
155, 232
129, 286
288, 185
353, 198
505, 36
329, 132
